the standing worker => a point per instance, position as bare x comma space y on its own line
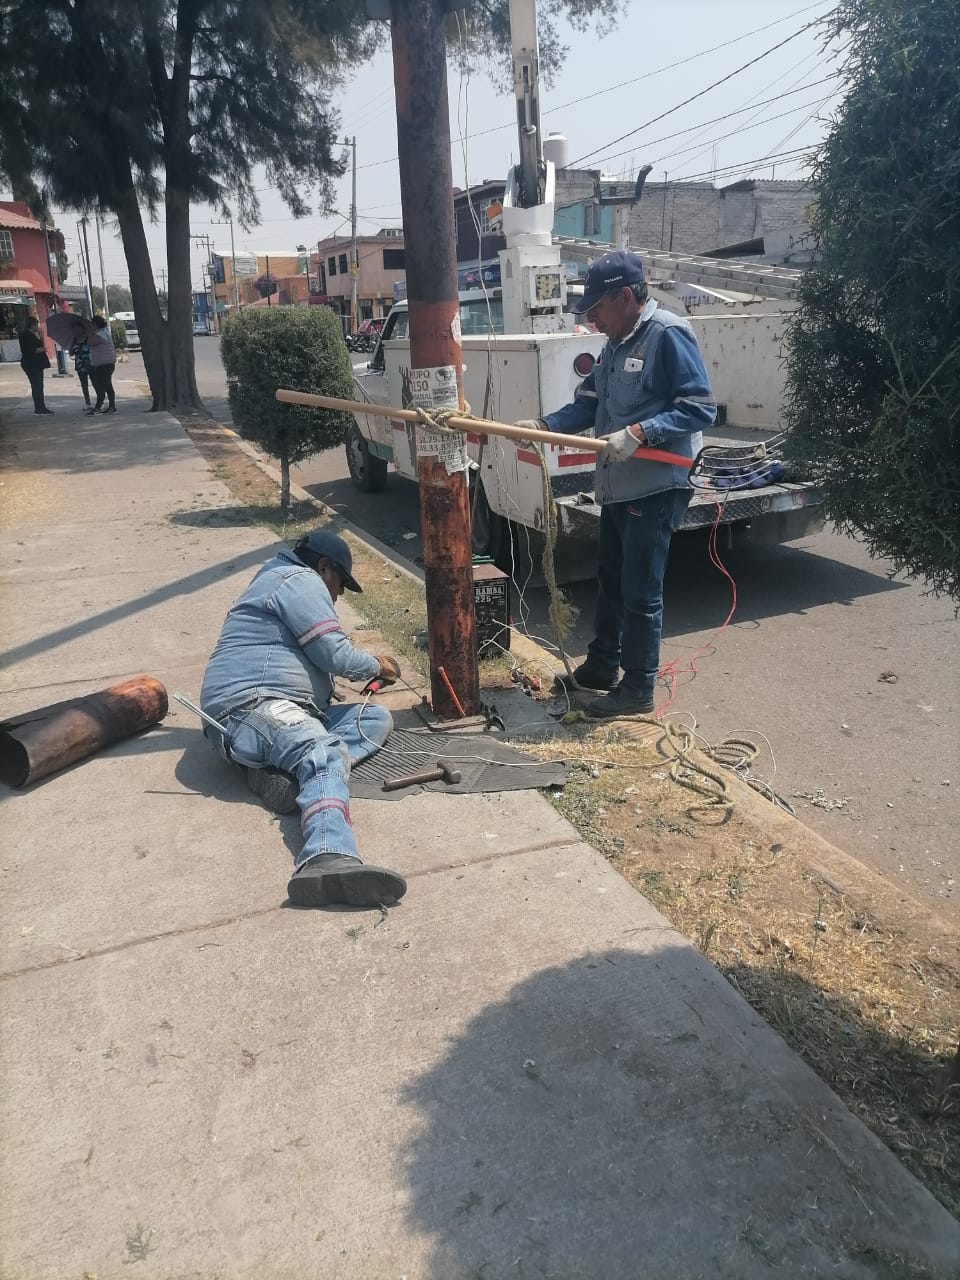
269, 683
648, 387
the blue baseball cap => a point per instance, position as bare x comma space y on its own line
323, 543
612, 271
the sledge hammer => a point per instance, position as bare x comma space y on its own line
442, 773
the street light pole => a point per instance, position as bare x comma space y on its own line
355, 264
103, 278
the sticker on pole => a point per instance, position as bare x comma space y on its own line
437, 389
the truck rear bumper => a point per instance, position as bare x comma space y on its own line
774, 513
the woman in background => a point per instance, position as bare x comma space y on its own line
103, 361
80, 350
33, 361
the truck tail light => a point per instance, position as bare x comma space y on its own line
583, 363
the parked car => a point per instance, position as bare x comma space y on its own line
129, 322
200, 327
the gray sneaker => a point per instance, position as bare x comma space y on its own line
620, 702
276, 791
335, 879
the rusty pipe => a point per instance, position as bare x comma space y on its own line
37, 743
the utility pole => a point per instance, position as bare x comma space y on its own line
218, 222
208, 243
436, 378
86, 254
269, 290
355, 261
103, 278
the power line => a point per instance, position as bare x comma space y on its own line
734, 133
760, 56
706, 124
647, 75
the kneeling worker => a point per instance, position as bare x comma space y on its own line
269, 683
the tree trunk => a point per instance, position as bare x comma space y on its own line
180, 299
146, 306
285, 482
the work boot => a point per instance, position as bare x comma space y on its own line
276, 791
620, 701
332, 879
587, 677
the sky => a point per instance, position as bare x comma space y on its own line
661, 54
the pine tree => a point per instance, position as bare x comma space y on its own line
874, 351
124, 105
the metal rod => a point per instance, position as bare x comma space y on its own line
450, 689
482, 426
192, 706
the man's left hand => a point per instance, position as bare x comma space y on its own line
622, 445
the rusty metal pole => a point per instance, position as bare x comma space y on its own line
37, 743
436, 376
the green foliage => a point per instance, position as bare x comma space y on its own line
119, 298
119, 334
873, 363
300, 348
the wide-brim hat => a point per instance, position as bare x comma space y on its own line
612, 271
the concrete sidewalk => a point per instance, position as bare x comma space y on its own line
523, 1070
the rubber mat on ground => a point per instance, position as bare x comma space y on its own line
484, 763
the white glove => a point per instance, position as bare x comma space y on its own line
621, 445
533, 424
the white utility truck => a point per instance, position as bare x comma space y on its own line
524, 354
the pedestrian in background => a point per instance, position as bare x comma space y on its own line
80, 350
33, 361
103, 361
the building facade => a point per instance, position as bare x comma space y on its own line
28, 273
381, 263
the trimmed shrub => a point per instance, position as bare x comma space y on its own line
873, 382
302, 349
119, 334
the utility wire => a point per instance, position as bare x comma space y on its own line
693, 98
647, 75
706, 124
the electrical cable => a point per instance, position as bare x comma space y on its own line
645, 77
706, 124
693, 98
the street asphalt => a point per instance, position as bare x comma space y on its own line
522, 1070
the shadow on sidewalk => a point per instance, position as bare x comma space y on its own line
185, 586
202, 771
596, 1123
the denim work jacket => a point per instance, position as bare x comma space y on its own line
281, 639
656, 377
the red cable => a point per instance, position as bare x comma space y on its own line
671, 671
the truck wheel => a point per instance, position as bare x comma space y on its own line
368, 472
489, 532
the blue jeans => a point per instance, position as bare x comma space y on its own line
631, 562
318, 753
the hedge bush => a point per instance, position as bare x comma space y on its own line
873, 364
300, 348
